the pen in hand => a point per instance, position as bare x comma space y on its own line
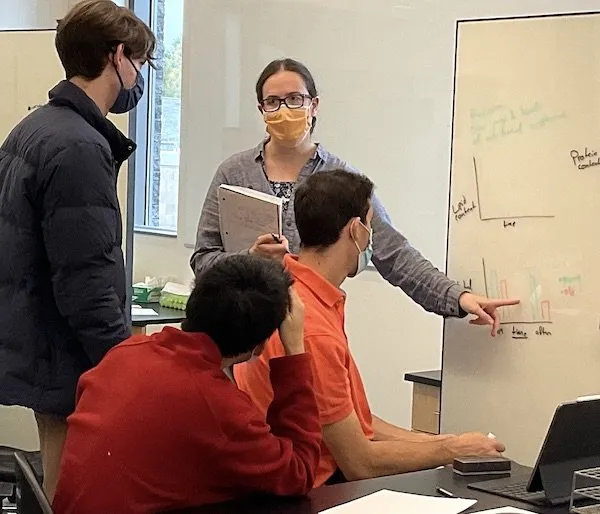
280, 240
444, 492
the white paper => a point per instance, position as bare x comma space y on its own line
506, 510
383, 502
136, 310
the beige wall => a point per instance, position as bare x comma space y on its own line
35, 14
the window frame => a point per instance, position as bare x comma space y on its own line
141, 123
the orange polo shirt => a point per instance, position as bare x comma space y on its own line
338, 387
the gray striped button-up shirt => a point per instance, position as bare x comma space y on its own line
393, 256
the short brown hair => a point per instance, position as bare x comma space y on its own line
326, 201
93, 29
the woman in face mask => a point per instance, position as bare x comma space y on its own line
289, 103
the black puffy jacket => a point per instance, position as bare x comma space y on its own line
62, 278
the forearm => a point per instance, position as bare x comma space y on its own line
81, 227
98, 326
205, 257
293, 413
405, 267
293, 417
279, 457
209, 247
385, 431
393, 457
96, 315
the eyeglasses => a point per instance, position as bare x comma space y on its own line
293, 101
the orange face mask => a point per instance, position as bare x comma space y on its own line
288, 125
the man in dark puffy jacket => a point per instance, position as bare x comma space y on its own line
62, 279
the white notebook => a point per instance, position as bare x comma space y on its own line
245, 214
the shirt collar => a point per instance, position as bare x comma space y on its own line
259, 152
67, 94
321, 287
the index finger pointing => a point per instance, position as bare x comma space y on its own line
499, 302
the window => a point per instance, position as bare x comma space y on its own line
158, 120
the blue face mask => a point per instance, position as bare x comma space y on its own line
364, 256
129, 98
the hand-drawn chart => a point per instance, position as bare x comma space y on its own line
523, 223
535, 309
485, 214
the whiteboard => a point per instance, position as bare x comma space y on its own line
523, 222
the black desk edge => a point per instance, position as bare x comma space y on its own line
421, 482
430, 378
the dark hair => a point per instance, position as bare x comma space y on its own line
287, 65
93, 29
326, 201
239, 302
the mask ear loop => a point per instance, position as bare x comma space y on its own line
114, 51
134, 66
355, 241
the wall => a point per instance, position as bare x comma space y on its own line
387, 108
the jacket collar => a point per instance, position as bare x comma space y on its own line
67, 94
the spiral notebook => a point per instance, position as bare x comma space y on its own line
245, 214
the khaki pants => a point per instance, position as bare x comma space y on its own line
52, 431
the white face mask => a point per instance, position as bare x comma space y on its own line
253, 356
364, 256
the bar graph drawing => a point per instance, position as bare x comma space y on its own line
534, 308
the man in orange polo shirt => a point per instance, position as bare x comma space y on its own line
334, 213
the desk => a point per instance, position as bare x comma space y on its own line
426, 400
423, 482
165, 317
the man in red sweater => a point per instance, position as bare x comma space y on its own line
158, 425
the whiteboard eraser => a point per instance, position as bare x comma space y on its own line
481, 466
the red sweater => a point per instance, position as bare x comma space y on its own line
158, 426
